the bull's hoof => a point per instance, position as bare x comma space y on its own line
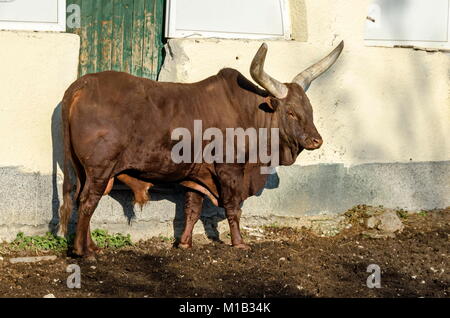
184, 246
77, 252
99, 251
90, 258
96, 250
242, 246
88, 255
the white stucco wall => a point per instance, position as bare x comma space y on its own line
374, 105
35, 70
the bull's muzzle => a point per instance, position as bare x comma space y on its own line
314, 143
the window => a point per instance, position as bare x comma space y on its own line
250, 19
36, 15
418, 23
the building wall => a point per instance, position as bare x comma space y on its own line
383, 113
36, 68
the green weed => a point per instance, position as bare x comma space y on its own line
52, 242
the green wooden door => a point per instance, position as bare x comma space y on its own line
121, 35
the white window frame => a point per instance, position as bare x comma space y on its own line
172, 32
59, 26
433, 45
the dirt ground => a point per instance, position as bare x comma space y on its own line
283, 262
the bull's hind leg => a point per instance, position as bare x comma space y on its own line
90, 196
192, 209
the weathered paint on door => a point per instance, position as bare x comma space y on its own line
121, 35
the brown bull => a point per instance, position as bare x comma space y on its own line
119, 125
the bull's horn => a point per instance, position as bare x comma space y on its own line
305, 78
277, 89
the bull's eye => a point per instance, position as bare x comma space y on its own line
291, 115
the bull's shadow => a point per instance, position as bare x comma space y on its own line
174, 193
210, 217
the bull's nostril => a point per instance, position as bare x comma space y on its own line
317, 142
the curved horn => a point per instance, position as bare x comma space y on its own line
277, 89
305, 78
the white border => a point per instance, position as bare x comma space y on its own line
419, 44
172, 32
59, 26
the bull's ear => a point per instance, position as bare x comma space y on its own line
270, 104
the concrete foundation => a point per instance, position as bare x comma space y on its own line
294, 196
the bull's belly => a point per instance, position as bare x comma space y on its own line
163, 176
161, 171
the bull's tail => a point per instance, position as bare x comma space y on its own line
70, 157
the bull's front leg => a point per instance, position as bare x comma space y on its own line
231, 182
233, 217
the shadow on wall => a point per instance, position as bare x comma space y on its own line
210, 217
57, 159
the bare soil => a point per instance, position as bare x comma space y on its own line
283, 262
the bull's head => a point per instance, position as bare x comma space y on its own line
291, 105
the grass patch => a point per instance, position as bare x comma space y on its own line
357, 214
402, 214
51, 242
105, 240
423, 213
166, 239
272, 226
45, 242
